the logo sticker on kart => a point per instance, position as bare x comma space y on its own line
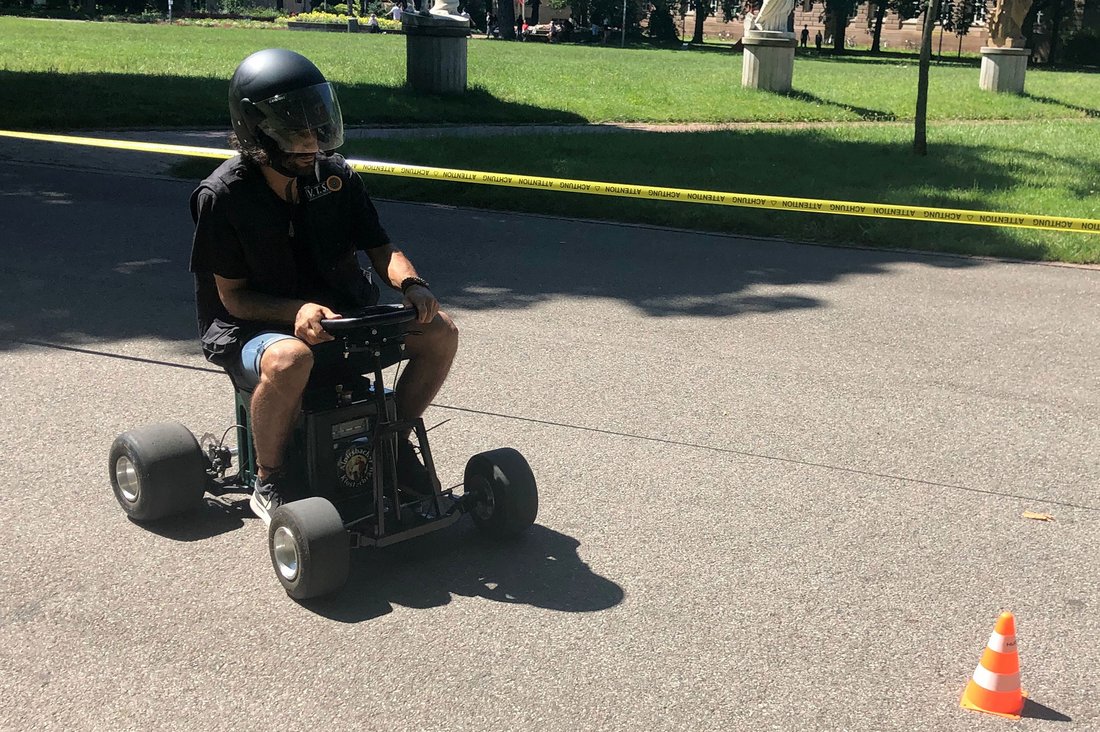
354, 467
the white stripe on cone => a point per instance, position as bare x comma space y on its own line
991, 681
1002, 643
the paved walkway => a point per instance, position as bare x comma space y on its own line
781, 487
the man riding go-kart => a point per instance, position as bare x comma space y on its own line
285, 308
276, 232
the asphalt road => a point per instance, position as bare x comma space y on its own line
782, 487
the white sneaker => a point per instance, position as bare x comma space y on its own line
265, 499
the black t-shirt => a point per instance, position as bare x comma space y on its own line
310, 283
243, 230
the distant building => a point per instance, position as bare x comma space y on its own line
896, 35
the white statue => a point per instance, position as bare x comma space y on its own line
448, 9
773, 16
443, 13
1006, 22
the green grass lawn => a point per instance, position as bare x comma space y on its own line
69, 75
1046, 167
1046, 160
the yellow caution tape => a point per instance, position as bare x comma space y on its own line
653, 193
744, 200
154, 147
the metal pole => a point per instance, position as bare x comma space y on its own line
622, 43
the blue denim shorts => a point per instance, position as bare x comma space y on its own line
253, 351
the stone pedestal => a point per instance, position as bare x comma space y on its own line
435, 52
1003, 69
769, 60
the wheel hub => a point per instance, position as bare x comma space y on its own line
485, 502
286, 553
126, 475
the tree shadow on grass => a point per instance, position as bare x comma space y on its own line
871, 115
866, 57
798, 163
62, 101
1087, 111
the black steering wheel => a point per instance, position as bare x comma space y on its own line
371, 318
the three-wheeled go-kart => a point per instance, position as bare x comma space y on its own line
342, 451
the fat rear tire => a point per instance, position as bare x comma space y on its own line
157, 471
309, 548
507, 496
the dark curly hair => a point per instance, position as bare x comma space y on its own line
251, 154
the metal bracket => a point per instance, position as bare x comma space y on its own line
360, 540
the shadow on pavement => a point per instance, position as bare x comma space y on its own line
215, 516
1035, 710
104, 259
541, 568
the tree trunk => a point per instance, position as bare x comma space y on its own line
840, 24
880, 15
1079, 14
700, 18
1028, 28
506, 20
1055, 31
920, 126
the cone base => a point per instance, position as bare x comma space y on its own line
966, 704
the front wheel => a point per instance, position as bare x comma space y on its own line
309, 548
506, 498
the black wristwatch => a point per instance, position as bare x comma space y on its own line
413, 282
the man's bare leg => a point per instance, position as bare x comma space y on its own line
431, 353
284, 371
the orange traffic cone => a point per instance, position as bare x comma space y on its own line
995, 686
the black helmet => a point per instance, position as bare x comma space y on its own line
280, 101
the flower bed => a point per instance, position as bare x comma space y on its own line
337, 22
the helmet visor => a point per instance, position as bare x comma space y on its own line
303, 121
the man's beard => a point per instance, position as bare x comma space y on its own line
301, 164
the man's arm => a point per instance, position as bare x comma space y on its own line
394, 268
247, 304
